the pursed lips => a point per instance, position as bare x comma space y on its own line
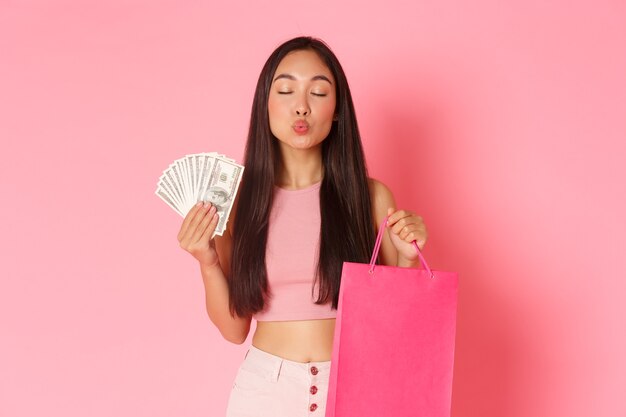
301, 123
300, 126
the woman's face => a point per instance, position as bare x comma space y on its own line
302, 100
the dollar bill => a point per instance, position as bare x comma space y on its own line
198, 177
221, 189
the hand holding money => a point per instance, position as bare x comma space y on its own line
205, 177
196, 233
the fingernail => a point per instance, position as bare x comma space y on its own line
206, 204
199, 203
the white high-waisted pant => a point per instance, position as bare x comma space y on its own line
270, 386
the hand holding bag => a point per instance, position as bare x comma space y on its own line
393, 347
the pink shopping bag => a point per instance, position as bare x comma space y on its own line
393, 347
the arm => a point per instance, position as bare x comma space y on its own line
213, 256
402, 229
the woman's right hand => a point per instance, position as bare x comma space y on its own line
195, 235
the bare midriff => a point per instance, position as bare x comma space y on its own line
298, 341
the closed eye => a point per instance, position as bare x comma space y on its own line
285, 92
319, 95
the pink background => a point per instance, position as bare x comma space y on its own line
502, 123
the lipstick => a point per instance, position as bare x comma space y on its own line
301, 127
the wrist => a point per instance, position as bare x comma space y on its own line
408, 263
210, 268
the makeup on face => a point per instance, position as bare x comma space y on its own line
302, 100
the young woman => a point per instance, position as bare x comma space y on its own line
305, 205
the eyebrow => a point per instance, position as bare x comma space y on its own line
291, 77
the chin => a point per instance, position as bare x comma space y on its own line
306, 145
299, 142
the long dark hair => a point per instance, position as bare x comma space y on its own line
347, 230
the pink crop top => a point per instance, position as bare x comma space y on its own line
291, 257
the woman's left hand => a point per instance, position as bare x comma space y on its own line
405, 227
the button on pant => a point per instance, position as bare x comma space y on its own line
270, 386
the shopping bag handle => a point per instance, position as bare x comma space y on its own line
379, 239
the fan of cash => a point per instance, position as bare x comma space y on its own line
201, 177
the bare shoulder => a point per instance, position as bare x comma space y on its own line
378, 190
381, 197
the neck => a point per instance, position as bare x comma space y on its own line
299, 168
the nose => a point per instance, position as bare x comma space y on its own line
302, 107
